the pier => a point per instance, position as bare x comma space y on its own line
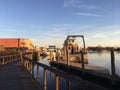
18, 73
13, 75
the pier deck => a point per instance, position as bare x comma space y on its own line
94, 69
13, 76
93, 74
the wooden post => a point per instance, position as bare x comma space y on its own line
57, 82
37, 73
30, 66
32, 69
51, 56
21, 58
68, 58
84, 44
3, 60
112, 63
68, 85
113, 66
51, 74
6, 60
15, 57
58, 57
82, 61
45, 80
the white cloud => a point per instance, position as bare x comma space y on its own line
80, 4
117, 32
71, 3
87, 7
86, 14
99, 36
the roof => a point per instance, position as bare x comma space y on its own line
9, 42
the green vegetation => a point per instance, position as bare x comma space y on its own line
100, 48
4, 51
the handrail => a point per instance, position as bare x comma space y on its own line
9, 58
60, 73
57, 72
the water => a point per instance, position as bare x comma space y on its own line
104, 60
50, 78
94, 59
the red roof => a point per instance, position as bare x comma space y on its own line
9, 42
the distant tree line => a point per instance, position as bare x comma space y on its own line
100, 48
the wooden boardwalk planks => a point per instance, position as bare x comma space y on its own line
14, 77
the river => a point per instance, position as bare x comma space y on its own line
103, 59
94, 59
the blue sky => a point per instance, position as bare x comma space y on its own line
50, 21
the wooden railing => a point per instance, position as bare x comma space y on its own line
9, 58
29, 65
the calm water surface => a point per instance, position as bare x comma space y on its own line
95, 59
104, 60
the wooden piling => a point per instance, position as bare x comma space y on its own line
37, 73
68, 84
58, 57
21, 58
32, 69
112, 63
36, 56
3, 60
68, 58
51, 56
57, 82
113, 66
82, 62
45, 80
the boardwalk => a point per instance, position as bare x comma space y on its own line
14, 77
93, 69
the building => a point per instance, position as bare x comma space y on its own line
16, 43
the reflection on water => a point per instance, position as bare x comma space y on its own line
44, 60
50, 80
53, 81
104, 60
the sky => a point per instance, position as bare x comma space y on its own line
48, 22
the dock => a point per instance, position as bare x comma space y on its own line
17, 73
94, 69
13, 76
96, 75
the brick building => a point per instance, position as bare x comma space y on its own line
16, 43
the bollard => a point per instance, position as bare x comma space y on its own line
45, 80
57, 82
